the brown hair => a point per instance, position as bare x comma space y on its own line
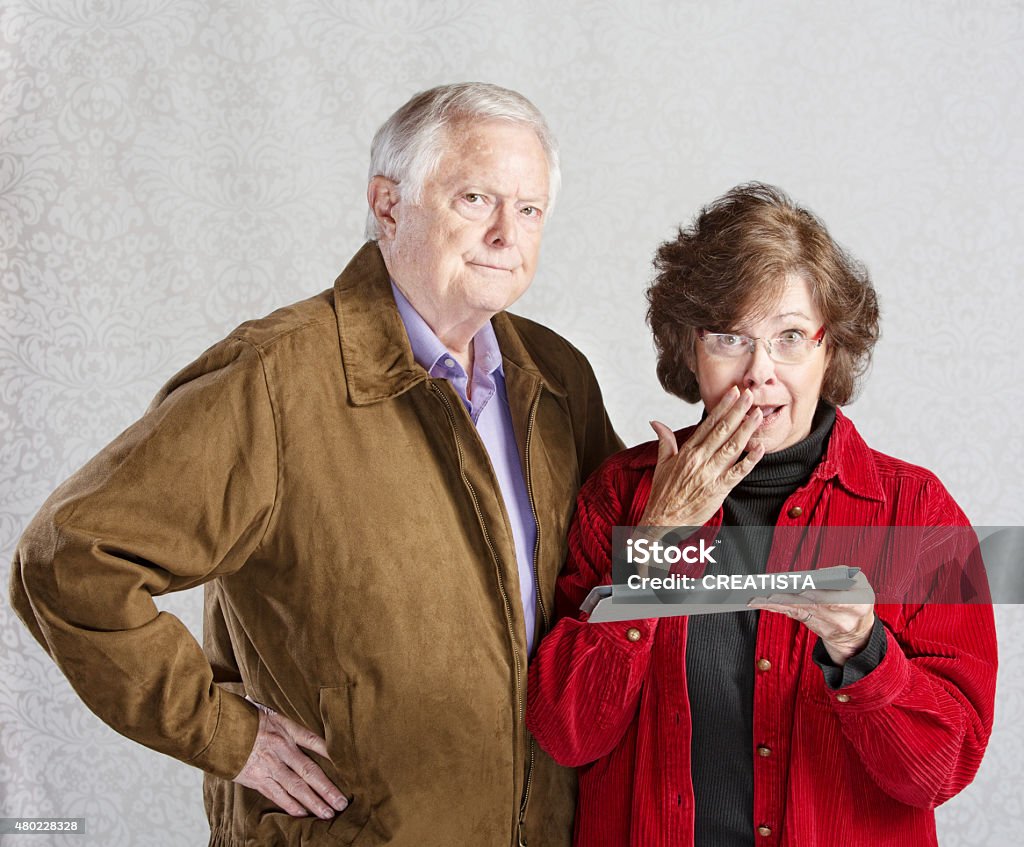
732, 262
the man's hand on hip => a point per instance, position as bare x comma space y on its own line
281, 772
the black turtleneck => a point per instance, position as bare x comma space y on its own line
720, 649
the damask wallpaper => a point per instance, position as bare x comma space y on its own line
169, 168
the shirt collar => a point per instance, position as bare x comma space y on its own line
428, 349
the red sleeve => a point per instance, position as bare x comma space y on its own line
584, 683
921, 720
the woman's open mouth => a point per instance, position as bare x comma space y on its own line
770, 413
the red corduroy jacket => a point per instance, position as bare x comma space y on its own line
862, 766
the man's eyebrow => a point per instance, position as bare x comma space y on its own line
463, 187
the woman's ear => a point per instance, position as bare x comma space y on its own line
690, 354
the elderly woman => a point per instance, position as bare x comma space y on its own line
788, 724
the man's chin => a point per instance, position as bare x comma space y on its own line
493, 297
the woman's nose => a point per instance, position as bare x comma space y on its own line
760, 367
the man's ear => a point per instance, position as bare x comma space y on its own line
382, 195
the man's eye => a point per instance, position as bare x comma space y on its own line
473, 198
531, 211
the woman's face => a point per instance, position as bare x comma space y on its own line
787, 394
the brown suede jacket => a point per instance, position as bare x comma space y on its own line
359, 570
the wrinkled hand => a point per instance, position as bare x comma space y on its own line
844, 628
691, 482
281, 772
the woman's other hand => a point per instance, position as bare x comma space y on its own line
844, 627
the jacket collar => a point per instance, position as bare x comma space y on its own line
379, 362
516, 357
849, 458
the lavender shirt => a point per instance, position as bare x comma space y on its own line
489, 411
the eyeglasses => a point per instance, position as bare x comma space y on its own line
789, 348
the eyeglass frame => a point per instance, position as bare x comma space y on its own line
818, 338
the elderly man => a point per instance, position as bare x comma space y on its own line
374, 486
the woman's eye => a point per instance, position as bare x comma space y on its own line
790, 336
728, 340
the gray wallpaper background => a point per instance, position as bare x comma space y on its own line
169, 168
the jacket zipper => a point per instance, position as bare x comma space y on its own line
501, 582
540, 601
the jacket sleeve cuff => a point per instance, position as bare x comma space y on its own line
877, 689
857, 666
233, 737
628, 638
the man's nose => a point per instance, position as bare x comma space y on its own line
504, 227
760, 367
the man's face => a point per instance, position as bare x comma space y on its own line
469, 247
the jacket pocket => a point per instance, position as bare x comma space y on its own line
267, 824
345, 731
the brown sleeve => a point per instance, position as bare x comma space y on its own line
184, 495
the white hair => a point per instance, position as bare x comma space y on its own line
409, 145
